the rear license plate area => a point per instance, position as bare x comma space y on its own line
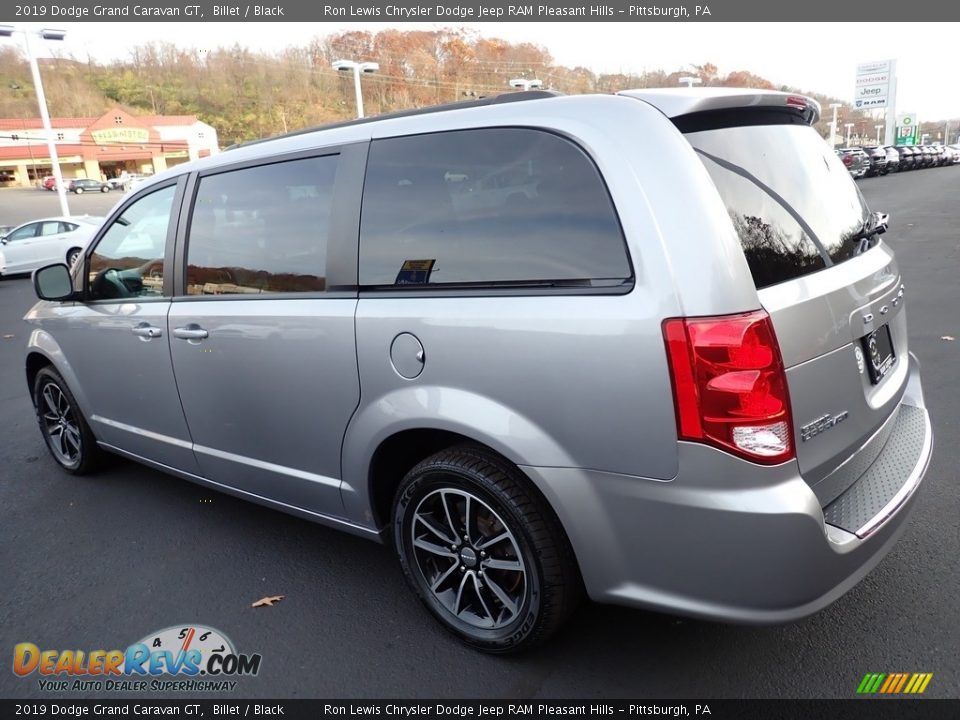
878, 348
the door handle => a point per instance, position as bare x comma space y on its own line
146, 331
190, 332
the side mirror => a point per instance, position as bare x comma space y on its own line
53, 283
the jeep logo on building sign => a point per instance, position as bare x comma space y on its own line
822, 424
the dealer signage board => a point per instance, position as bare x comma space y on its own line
872, 85
111, 136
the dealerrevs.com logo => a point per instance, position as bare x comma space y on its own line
183, 658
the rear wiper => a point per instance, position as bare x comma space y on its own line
876, 224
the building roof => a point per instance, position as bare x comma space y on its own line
85, 122
34, 123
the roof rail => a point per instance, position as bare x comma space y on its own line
518, 96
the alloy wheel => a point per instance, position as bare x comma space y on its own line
468, 558
60, 425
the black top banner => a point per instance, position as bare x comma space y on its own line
460, 11
483, 710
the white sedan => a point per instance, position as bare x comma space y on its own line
46, 241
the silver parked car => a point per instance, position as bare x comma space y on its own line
649, 346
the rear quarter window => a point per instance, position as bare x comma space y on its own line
497, 206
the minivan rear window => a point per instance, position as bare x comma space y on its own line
792, 201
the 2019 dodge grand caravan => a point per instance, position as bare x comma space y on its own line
648, 346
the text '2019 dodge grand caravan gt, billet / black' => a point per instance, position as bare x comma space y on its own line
651, 346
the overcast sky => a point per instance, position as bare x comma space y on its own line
813, 56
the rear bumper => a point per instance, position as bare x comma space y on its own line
725, 539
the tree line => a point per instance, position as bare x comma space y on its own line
248, 95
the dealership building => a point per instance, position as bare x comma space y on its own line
101, 147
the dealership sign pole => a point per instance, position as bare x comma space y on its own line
875, 88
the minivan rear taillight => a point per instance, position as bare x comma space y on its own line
730, 386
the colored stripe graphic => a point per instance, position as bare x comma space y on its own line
894, 683
903, 680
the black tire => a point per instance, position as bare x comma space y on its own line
52, 397
529, 603
104, 188
72, 255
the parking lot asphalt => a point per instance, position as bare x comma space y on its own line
19, 205
100, 562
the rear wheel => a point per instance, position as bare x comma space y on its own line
483, 551
105, 188
64, 429
79, 191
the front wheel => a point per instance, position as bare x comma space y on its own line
483, 551
72, 256
64, 429
79, 191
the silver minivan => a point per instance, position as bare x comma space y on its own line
650, 347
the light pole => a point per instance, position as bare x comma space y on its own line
524, 84
46, 34
689, 81
833, 124
848, 126
878, 129
356, 68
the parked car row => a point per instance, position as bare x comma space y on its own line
82, 185
872, 160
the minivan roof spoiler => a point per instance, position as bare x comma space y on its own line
679, 102
519, 96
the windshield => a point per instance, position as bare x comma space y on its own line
792, 202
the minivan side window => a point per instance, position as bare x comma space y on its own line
492, 206
128, 260
262, 229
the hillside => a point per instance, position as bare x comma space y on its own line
248, 95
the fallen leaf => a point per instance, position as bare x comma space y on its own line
947, 338
268, 601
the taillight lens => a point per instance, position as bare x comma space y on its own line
729, 385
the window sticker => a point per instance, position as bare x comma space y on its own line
415, 272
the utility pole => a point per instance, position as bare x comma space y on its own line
46, 34
833, 124
356, 68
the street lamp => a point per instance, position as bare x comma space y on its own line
523, 84
356, 68
46, 34
833, 124
690, 81
878, 129
848, 126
